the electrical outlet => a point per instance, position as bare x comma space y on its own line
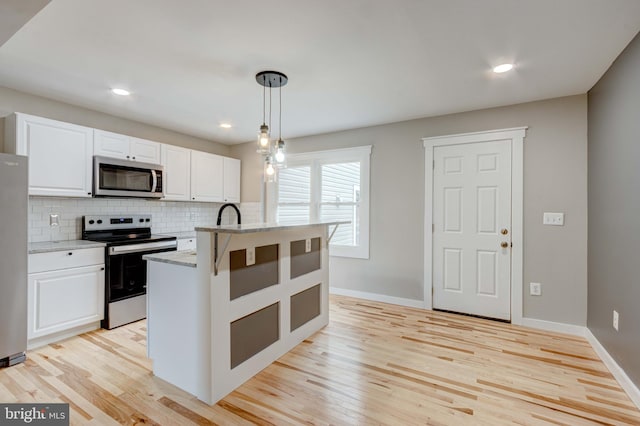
54, 220
556, 219
616, 319
535, 289
251, 256
307, 245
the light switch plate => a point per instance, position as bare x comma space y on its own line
555, 219
535, 289
54, 220
307, 245
251, 256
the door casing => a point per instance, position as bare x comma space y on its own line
516, 135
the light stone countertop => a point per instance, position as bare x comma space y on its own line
263, 227
181, 258
50, 246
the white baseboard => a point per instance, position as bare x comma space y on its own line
558, 327
625, 382
376, 297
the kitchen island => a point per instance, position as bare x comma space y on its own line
245, 297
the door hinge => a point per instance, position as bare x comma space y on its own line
433, 165
433, 227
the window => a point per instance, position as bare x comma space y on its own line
328, 185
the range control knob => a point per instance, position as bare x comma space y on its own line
147, 220
141, 220
99, 221
91, 222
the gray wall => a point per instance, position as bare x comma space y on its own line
555, 176
13, 101
614, 209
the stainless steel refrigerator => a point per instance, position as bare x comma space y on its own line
13, 259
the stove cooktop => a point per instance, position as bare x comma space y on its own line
120, 229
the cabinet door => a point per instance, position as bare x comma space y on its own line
144, 151
206, 177
60, 156
110, 144
231, 180
63, 299
177, 172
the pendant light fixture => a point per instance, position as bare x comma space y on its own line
273, 152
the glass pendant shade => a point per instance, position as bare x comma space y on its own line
280, 153
263, 139
269, 170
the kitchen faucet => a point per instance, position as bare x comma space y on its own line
239, 216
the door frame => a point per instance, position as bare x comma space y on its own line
516, 135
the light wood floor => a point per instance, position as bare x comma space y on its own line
373, 364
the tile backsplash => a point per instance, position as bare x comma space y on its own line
168, 216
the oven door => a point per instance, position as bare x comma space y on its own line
127, 271
122, 178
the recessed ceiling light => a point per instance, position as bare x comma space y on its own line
225, 125
120, 92
503, 68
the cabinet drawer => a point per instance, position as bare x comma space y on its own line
39, 262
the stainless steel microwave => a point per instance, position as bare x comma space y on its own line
123, 178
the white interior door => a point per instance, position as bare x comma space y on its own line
472, 228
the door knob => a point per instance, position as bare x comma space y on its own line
504, 231
504, 244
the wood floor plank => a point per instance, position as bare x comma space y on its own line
374, 364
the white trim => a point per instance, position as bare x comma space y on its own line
558, 327
330, 154
376, 297
516, 135
621, 377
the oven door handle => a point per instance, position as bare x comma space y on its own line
133, 248
154, 181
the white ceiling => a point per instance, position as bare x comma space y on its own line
351, 63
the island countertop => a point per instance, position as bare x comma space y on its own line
264, 227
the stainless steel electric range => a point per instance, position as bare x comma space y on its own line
128, 238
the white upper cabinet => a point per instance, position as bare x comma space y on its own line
125, 147
145, 150
177, 173
61, 161
60, 154
110, 144
207, 176
231, 180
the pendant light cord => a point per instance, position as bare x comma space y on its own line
269, 104
264, 104
280, 114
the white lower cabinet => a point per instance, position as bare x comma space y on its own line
70, 296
